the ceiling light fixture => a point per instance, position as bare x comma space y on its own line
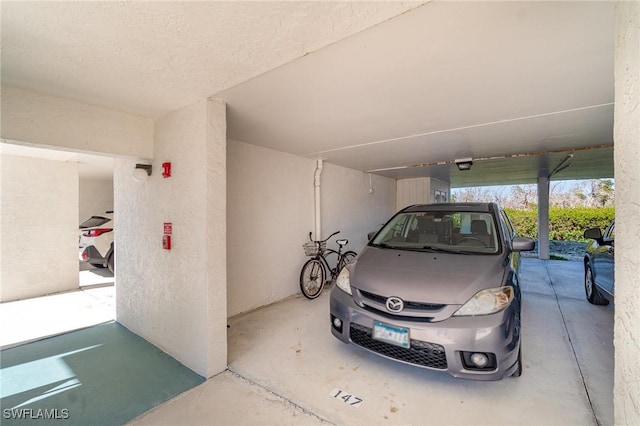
464, 163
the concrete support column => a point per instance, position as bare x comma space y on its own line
176, 299
626, 391
543, 218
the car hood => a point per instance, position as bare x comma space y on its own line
438, 278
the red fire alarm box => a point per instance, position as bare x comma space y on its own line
166, 170
166, 242
168, 228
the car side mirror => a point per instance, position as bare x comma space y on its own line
522, 244
370, 235
593, 234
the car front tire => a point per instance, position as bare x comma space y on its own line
591, 291
518, 371
111, 263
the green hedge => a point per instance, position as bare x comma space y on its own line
565, 224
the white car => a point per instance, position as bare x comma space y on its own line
96, 241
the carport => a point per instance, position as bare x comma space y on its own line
289, 372
284, 371
378, 101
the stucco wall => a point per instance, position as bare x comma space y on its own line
349, 207
176, 298
95, 197
627, 175
270, 211
38, 227
270, 205
48, 121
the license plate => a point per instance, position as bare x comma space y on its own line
389, 334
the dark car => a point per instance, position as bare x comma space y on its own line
599, 260
437, 287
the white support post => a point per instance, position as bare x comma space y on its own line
626, 382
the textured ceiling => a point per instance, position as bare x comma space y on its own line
401, 89
150, 58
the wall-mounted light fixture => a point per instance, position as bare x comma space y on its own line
141, 171
464, 163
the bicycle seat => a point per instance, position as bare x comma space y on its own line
342, 243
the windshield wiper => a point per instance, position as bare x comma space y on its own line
443, 250
431, 249
384, 245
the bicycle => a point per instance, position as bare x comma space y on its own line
314, 271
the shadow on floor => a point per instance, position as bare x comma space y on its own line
103, 375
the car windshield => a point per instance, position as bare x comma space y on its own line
451, 231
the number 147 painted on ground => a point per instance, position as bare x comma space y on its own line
346, 397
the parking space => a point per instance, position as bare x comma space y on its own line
590, 330
286, 351
91, 276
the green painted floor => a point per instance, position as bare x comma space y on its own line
102, 375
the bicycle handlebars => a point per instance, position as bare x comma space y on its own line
321, 241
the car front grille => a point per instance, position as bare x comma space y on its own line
396, 316
431, 307
420, 353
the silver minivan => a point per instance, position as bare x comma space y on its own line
437, 287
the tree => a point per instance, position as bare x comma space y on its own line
524, 196
605, 192
585, 193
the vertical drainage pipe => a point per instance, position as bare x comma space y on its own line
316, 184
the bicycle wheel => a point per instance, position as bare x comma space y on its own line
347, 258
312, 278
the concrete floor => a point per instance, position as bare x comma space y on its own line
286, 368
41, 317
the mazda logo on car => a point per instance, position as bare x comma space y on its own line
394, 304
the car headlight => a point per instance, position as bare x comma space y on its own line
343, 281
488, 301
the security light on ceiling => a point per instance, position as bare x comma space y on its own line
464, 163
